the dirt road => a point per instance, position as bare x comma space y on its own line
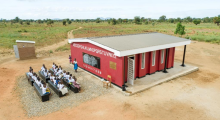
193, 97
54, 46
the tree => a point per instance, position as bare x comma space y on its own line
189, 19
196, 21
125, 20
216, 20
98, 20
178, 20
16, 19
137, 20
21, 22
142, 19
69, 22
39, 21
162, 18
180, 29
171, 20
146, 22
28, 22
114, 21
64, 22
119, 20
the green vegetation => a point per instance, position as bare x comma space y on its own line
47, 31
180, 29
196, 21
42, 34
207, 32
63, 48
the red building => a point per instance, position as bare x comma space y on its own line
126, 57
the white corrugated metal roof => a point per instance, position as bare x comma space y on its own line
25, 41
123, 45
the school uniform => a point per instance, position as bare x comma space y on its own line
71, 80
67, 77
63, 89
45, 74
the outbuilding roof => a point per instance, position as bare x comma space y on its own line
123, 45
25, 41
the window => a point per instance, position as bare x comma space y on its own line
142, 60
153, 58
162, 56
91, 60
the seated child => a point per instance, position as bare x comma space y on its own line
45, 73
30, 73
59, 71
64, 73
43, 68
45, 89
67, 75
62, 88
75, 84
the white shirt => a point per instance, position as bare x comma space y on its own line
49, 74
60, 71
75, 62
71, 80
30, 74
60, 86
44, 90
67, 77
38, 83
34, 78
64, 74
42, 68
45, 73
52, 77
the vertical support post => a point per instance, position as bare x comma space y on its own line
123, 86
184, 56
165, 66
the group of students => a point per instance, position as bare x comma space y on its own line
40, 83
59, 73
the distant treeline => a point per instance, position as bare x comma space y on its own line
137, 20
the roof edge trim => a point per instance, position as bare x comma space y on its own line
116, 52
25, 41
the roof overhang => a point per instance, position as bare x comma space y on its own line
133, 51
25, 41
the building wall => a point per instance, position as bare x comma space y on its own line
149, 69
26, 50
117, 75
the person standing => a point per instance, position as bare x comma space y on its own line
70, 58
75, 65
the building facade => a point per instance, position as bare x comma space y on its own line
125, 58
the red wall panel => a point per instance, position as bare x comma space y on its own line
148, 63
142, 72
105, 56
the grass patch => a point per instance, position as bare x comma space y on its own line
63, 48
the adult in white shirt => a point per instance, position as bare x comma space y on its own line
63, 89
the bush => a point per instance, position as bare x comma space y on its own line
19, 30
51, 51
187, 37
25, 30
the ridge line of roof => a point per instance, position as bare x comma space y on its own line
118, 35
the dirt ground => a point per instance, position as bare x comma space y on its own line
192, 97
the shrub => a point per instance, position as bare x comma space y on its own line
19, 30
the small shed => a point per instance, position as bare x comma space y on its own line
25, 49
